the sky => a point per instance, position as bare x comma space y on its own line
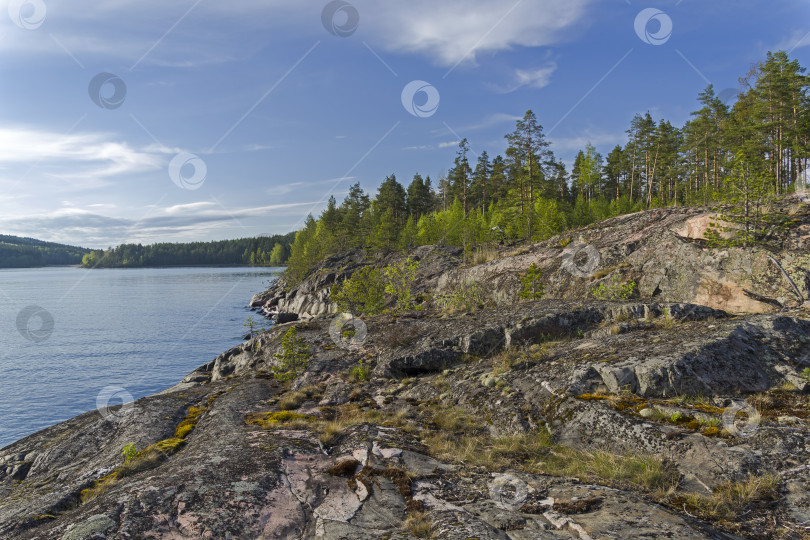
130, 121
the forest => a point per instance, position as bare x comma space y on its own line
260, 251
16, 252
739, 157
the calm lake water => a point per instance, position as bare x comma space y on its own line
138, 329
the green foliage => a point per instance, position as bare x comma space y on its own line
362, 294
253, 326
129, 451
360, 372
263, 250
16, 252
532, 285
293, 358
466, 296
399, 282
806, 374
740, 157
615, 290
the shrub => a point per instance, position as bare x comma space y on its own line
363, 293
129, 452
360, 371
465, 297
532, 287
399, 281
293, 358
614, 290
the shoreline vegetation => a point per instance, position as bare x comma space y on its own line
262, 251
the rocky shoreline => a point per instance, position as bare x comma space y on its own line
680, 411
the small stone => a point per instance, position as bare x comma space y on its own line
782, 420
647, 413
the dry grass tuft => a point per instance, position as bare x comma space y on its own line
730, 500
420, 525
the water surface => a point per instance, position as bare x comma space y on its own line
139, 329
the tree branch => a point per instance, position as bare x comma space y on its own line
795, 288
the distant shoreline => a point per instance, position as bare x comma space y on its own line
139, 267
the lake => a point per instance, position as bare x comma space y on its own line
69, 335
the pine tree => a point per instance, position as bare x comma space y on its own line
528, 152
459, 175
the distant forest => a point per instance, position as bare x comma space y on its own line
741, 156
261, 251
16, 252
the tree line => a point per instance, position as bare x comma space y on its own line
16, 252
739, 156
260, 251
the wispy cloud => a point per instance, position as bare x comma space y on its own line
81, 226
533, 78
456, 31
85, 157
448, 32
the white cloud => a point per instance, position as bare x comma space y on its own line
454, 31
79, 226
448, 32
87, 158
535, 78
448, 144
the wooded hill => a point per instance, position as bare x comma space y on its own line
17, 252
741, 156
260, 251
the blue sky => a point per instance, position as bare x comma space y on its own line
213, 120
